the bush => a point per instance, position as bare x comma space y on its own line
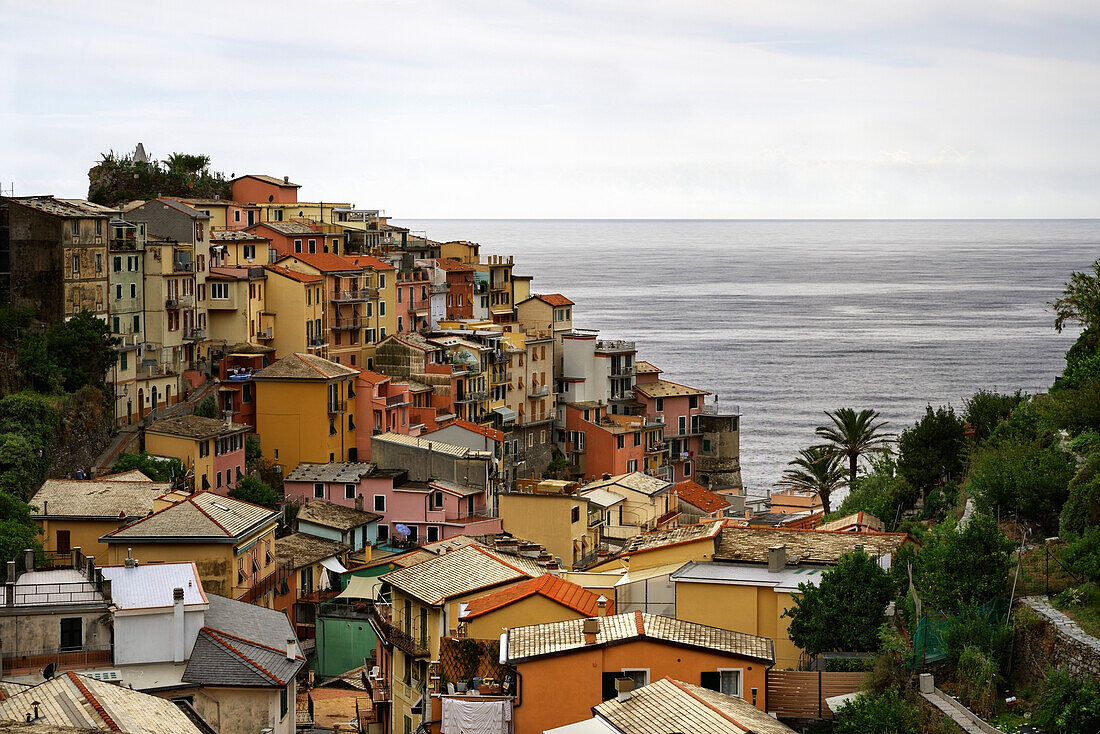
1082, 507
959, 568
977, 677
1082, 554
159, 469
940, 501
988, 408
931, 451
208, 408
251, 489
878, 713
1027, 477
252, 450
1068, 705
972, 628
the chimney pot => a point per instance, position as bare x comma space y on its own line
286, 179
177, 593
12, 573
591, 629
777, 558
624, 687
601, 604
179, 627
290, 648
606, 475
28, 559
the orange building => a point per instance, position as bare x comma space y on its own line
460, 288
258, 189
600, 443
566, 668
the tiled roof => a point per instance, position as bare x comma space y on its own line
332, 515
373, 377
72, 700
857, 518
553, 638
326, 262
221, 659
460, 571
268, 627
181, 208
447, 263
437, 447
642, 367
487, 431
150, 585
671, 705
61, 207
675, 536
699, 496
194, 426
807, 546
269, 179
290, 228
666, 389
556, 589
202, 515
340, 471
235, 272
236, 235
553, 299
636, 481
302, 366
97, 498
294, 274
369, 261
603, 498
303, 549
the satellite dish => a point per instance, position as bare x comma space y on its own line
50, 671
402, 529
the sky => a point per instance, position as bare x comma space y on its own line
734, 109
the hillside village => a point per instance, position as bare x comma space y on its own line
361, 480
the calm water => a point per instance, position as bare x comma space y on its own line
788, 319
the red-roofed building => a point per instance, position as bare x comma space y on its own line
536, 601
260, 189
696, 502
459, 279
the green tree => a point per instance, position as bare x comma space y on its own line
187, 164
1068, 705
854, 434
252, 451
816, 469
159, 469
208, 408
986, 409
846, 609
20, 468
959, 568
39, 371
1027, 478
83, 349
880, 492
1080, 300
883, 713
251, 489
1082, 507
17, 531
13, 323
931, 452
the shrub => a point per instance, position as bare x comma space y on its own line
208, 408
878, 713
251, 489
972, 628
977, 677
1082, 554
988, 408
1068, 705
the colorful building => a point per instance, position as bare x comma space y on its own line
559, 521
539, 600
294, 313
211, 450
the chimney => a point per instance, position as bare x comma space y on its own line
601, 604
359, 502
75, 555
777, 558
9, 588
179, 631
28, 559
45, 507
591, 629
290, 648
105, 589
624, 687
286, 179
129, 562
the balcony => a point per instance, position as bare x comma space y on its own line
195, 335
265, 334
498, 358
437, 288
534, 418
337, 406
363, 294
317, 344
30, 662
622, 371
396, 401
405, 640
615, 345
472, 397
282, 572
183, 266
538, 391
342, 324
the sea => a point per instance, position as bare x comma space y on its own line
788, 319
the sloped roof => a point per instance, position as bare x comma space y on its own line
422, 442
303, 549
643, 367
487, 431
203, 515
666, 389
675, 536
554, 299
636, 481
102, 498
290, 228
332, 515
460, 571
672, 705
449, 263
182, 208
72, 700
556, 589
222, 659
70, 208
150, 585
269, 179
294, 274
194, 426
262, 626
236, 235
346, 472
751, 544
555, 638
326, 262
856, 518
699, 496
369, 261
302, 366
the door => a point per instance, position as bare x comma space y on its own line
141, 402
63, 541
71, 633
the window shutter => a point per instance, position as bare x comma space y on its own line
711, 679
609, 685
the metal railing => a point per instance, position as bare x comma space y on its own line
351, 324
544, 416
196, 334
351, 296
622, 371
538, 391
472, 397
28, 662
417, 646
614, 345
338, 406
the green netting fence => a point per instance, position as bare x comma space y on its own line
928, 642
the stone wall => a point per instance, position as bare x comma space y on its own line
1054, 640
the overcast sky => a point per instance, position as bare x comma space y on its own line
582, 108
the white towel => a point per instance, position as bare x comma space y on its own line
475, 717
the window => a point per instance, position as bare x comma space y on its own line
114, 325
694, 424
76, 264
349, 491
723, 680
249, 251
219, 479
632, 465
204, 448
133, 290
382, 281
437, 500
72, 637
219, 291
297, 245
687, 468
284, 694
660, 404
620, 441
276, 215
137, 324
381, 308
237, 215
433, 533
132, 263
693, 401
312, 245
75, 225
640, 677
383, 533
118, 264
575, 516
122, 360
319, 490
99, 262
638, 438
379, 503
706, 444
681, 424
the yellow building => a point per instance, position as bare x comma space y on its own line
238, 248
235, 303
536, 601
231, 542
74, 513
646, 500
211, 450
305, 411
426, 601
293, 313
557, 521
465, 252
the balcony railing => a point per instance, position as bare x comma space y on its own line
530, 419
183, 266
196, 334
538, 391
394, 401
622, 371
350, 324
29, 662
271, 582
338, 406
614, 345
472, 397
417, 646
363, 294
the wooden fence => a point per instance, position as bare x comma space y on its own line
801, 694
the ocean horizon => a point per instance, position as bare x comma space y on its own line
787, 318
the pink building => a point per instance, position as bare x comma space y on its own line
678, 407
386, 405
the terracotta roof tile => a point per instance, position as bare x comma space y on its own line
554, 299
326, 262
299, 366
699, 496
294, 274
564, 592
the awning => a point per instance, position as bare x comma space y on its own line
361, 587
506, 413
645, 574
333, 565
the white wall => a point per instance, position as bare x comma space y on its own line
147, 638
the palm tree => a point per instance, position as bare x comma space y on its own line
817, 469
853, 434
